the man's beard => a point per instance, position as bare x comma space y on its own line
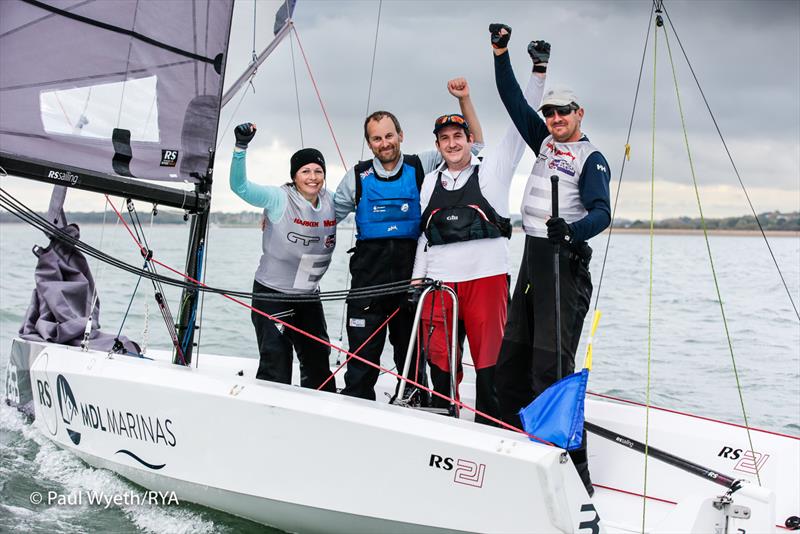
388, 156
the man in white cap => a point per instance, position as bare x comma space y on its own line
527, 363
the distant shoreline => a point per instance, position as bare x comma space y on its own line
694, 231
634, 231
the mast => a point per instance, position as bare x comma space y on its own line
194, 262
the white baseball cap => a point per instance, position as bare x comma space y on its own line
558, 96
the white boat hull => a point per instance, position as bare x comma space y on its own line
307, 461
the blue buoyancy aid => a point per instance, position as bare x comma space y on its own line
388, 208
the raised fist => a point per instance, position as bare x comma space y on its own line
501, 33
539, 51
458, 87
244, 133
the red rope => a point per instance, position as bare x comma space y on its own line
331, 345
359, 348
626, 492
319, 97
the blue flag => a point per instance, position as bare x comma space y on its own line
557, 414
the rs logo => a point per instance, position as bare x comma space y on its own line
45, 399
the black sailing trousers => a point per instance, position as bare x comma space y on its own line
360, 378
275, 342
374, 262
527, 363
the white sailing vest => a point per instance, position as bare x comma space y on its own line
566, 161
297, 249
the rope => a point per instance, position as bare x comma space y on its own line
275, 319
30, 217
624, 159
735, 169
319, 97
128, 309
359, 358
158, 289
359, 348
650, 289
708, 248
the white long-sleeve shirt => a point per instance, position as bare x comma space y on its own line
479, 258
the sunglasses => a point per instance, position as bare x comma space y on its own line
446, 120
563, 111
450, 119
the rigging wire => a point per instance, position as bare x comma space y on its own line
363, 145
9, 203
273, 318
296, 92
253, 59
625, 158
319, 97
658, 23
226, 131
146, 327
27, 215
372, 71
158, 289
710, 256
99, 270
735, 169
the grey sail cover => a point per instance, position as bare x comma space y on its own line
63, 296
123, 87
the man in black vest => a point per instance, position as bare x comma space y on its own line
384, 194
465, 244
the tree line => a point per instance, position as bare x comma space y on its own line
772, 221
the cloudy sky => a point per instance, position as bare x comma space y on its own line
745, 54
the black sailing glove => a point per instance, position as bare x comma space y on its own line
244, 133
558, 230
499, 41
540, 54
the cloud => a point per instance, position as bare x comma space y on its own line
746, 56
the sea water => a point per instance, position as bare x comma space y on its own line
691, 365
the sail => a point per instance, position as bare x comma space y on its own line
123, 88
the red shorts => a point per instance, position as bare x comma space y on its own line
482, 307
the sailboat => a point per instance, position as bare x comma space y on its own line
170, 424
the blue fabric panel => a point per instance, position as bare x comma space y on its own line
557, 414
